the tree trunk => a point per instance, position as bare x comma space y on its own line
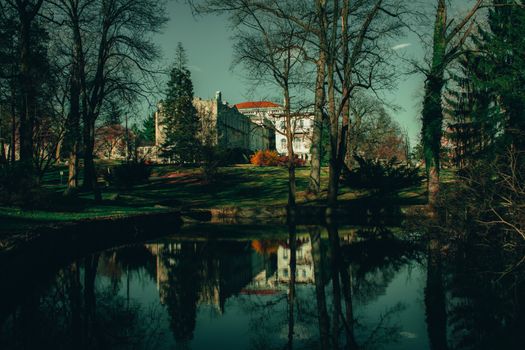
90, 175
314, 184
333, 173
432, 105
27, 95
12, 150
291, 155
74, 111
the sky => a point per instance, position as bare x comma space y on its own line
208, 43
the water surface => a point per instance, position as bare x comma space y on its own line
353, 288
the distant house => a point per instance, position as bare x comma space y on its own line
271, 115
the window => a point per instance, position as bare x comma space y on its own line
301, 123
285, 272
282, 125
285, 253
283, 143
296, 142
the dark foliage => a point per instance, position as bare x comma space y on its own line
128, 174
382, 177
237, 156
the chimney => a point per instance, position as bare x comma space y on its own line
218, 96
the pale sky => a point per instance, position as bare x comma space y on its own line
208, 43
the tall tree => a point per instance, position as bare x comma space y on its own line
75, 14
181, 124
26, 12
271, 50
504, 47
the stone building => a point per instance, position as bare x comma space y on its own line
271, 116
223, 125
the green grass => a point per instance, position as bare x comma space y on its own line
175, 187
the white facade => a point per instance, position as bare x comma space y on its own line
302, 126
272, 114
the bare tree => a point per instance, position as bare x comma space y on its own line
350, 41
74, 15
26, 12
111, 55
272, 49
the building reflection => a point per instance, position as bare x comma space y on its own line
224, 270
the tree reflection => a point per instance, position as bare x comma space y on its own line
322, 313
73, 311
313, 288
436, 314
485, 306
292, 240
180, 292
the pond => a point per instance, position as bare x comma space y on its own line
273, 287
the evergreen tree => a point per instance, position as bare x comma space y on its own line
474, 118
505, 54
181, 123
485, 105
147, 129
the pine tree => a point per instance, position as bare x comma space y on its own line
505, 47
147, 129
474, 119
181, 123
488, 99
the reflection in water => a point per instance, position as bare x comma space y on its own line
326, 288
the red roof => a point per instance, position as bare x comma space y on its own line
257, 104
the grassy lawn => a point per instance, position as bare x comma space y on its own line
175, 187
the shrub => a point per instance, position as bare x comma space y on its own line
265, 158
383, 177
128, 174
272, 158
298, 162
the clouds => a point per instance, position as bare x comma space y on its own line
194, 68
401, 46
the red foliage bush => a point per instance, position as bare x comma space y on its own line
298, 162
272, 158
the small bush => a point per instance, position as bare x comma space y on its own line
382, 177
14, 186
128, 174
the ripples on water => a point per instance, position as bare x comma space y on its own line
353, 288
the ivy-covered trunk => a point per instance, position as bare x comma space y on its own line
432, 115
